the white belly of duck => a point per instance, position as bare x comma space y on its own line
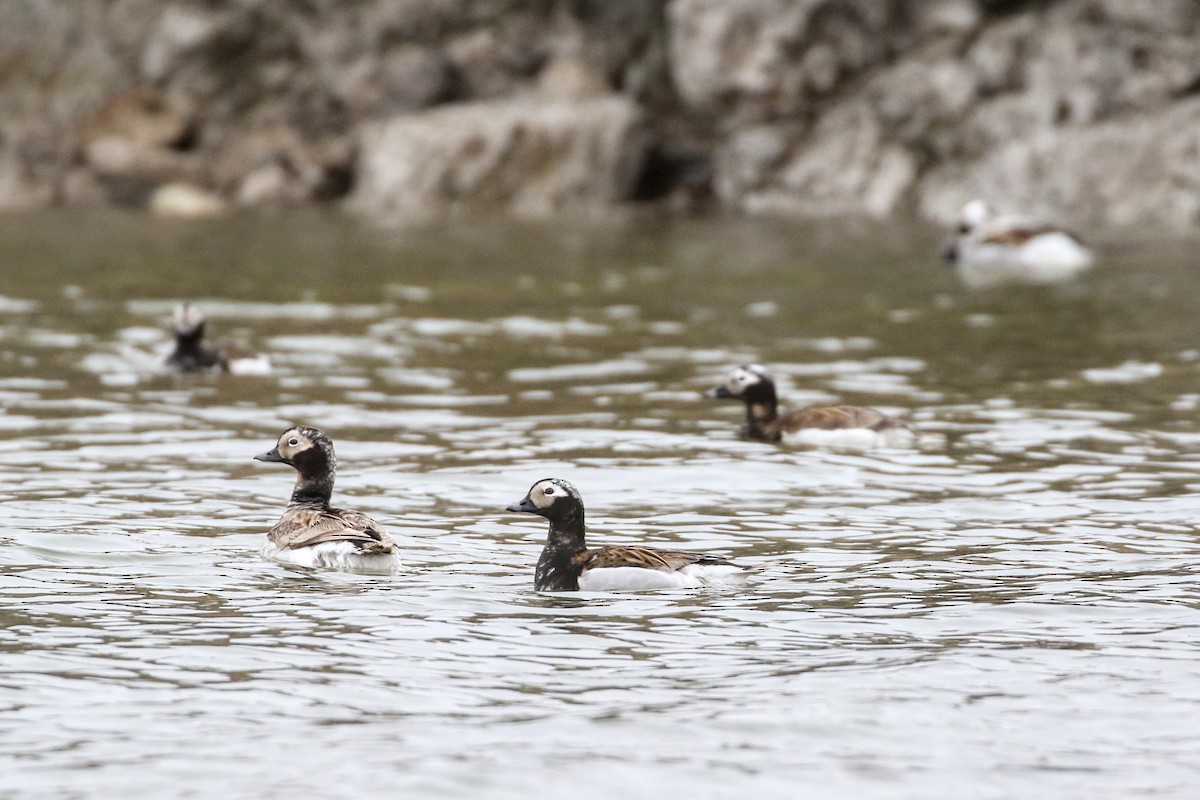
853, 438
342, 556
255, 365
640, 579
1047, 258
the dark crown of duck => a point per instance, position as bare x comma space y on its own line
310, 453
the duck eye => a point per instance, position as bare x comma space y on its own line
293, 442
549, 490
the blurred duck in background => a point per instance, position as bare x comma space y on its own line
193, 354
825, 425
989, 249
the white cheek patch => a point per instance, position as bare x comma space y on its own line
539, 496
188, 316
739, 379
293, 449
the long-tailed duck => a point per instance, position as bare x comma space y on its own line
990, 249
836, 426
311, 533
192, 354
567, 565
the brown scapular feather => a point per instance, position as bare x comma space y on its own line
305, 527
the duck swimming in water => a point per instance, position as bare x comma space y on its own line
193, 354
311, 533
989, 249
567, 565
832, 425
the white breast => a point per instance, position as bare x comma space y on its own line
258, 365
640, 579
342, 556
1047, 258
853, 438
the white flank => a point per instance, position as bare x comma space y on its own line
640, 579
342, 556
852, 438
1048, 258
258, 365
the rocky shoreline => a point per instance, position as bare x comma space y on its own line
412, 110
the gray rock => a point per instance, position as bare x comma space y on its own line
529, 157
185, 201
799, 107
845, 166
765, 57
1139, 171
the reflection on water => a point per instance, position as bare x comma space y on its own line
1011, 616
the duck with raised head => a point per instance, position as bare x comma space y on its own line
567, 565
193, 354
311, 533
832, 425
989, 249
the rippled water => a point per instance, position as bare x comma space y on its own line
1015, 615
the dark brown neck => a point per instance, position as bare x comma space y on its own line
759, 416
557, 568
310, 491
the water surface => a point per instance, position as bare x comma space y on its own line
1014, 615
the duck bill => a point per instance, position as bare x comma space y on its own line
720, 393
272, 456
525, 505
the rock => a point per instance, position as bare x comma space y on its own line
140, 116
771, 56
750, 160
1140, 171
845, 166
799, 107
270, 184
1177, 16
20, 191
948, 16
498, 60
185, 201
414, 77
570, 78
181, 31
530, 157
274, 165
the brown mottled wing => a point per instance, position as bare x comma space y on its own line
1017, 235
305, 527
644, 557
837, 417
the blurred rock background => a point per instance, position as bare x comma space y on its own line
409, 110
